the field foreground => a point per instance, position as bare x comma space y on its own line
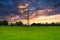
30, 33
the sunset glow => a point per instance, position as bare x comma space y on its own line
40, 11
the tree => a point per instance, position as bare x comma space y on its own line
19, 23
52, 24
1, 23
5, 22
12, 24
33, 24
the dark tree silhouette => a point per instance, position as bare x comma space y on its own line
33, 24
19, 23
52, 24
1, 23
5, 22
12, 24
36, 24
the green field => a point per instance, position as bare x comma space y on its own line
30, 33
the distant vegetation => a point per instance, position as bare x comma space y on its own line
46, 24
5, 23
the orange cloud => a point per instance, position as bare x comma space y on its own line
23, 6
41, 13
39, 16
21, 11
44, 19
41, 19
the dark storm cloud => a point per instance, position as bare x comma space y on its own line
9, 7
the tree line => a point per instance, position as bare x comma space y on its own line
5, 23
46, 24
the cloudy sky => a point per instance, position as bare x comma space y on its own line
40, 11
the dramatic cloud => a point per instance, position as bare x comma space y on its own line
17, 10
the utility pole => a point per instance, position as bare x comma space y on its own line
28, 16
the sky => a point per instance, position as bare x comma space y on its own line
40, 11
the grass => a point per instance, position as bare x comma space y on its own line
30, 33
